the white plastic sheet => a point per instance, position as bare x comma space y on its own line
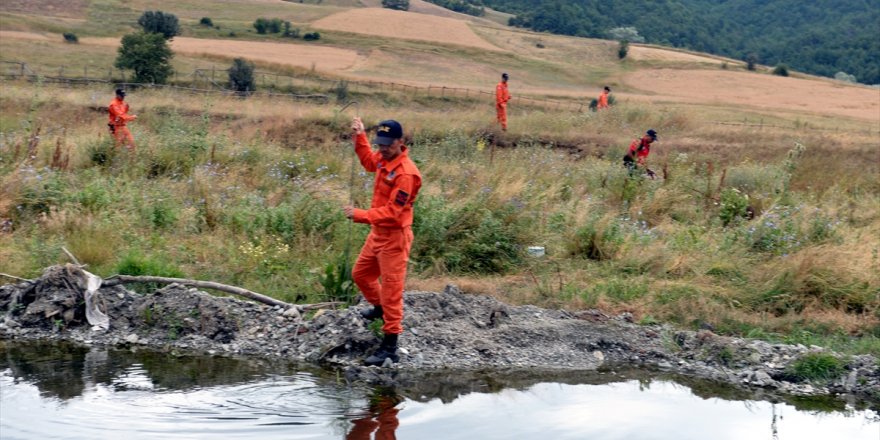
98, 319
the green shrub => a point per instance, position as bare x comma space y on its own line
70, 38
148, 55
734, 206
400, 5
780, 70
94, 196
102, 153
622, 291
158, 22
241, 76
312, 36
623, 49
135, 263
162, 215
206, 21
599, 239
816, 366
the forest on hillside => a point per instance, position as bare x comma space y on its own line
821, 37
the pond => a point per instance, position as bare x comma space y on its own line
50, 391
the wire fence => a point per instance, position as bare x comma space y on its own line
307, 86
316, 89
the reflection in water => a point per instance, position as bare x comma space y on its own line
381, 418
57, 391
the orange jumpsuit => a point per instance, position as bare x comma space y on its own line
390, 216
603, 100
502, 95
119, 116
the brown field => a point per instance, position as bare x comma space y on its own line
404, 25
298, 55
55, 8
762, 91
648, 53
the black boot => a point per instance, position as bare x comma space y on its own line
387, 350
372, 314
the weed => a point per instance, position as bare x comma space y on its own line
816, 366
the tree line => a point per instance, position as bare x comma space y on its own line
822, 37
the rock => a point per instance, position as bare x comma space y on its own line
292, 312
451, 289
601, 356
665, 365
851, 380
761, 378
414, 331
132, 339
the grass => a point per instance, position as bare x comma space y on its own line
816, 366
248, 192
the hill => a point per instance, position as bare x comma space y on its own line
822, 37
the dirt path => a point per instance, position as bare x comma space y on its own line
449, 330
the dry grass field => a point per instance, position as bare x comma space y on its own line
404, 25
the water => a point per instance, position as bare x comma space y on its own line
54, 392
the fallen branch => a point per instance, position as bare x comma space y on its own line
324, 305
14, 277
123, 279
70, 255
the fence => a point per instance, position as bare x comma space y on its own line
271, 84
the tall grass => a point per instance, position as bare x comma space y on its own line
248, 192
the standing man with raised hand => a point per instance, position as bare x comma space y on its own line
119, 117
502, 95
386, 251
603, 99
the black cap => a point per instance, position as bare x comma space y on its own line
120, 92
652, 133
608, 88
505, 75
387, 132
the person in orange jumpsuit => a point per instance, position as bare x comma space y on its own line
382, 419
638, 151
502, 96
119, 117
603, 98
386, 251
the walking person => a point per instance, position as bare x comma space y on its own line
502, 96
119, 117
603, 98
386, 251
638, 152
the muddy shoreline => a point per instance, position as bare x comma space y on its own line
444, 331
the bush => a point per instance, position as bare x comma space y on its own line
843, 76
312, 36
623, 50
780, 70
241, 76
816, 366
734, 206
148, 55
265, 25
158, 22
70, 38
205, 21
400, 5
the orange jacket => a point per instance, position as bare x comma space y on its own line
639, 149
502, 95
118, 110
394, 192
603, 100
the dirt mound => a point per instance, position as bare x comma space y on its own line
404, 25
449, 330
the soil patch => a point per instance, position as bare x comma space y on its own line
448, 330
404, 25
755, 90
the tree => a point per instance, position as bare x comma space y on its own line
241, 76
148, 55
626, 33
206, 21
751, 60
159, 22
400, 5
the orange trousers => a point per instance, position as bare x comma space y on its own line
501, 109
384, 256
386, 423
123, 137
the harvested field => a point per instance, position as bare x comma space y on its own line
760, 91
290, 54
647, 53
54, 8
404, 25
